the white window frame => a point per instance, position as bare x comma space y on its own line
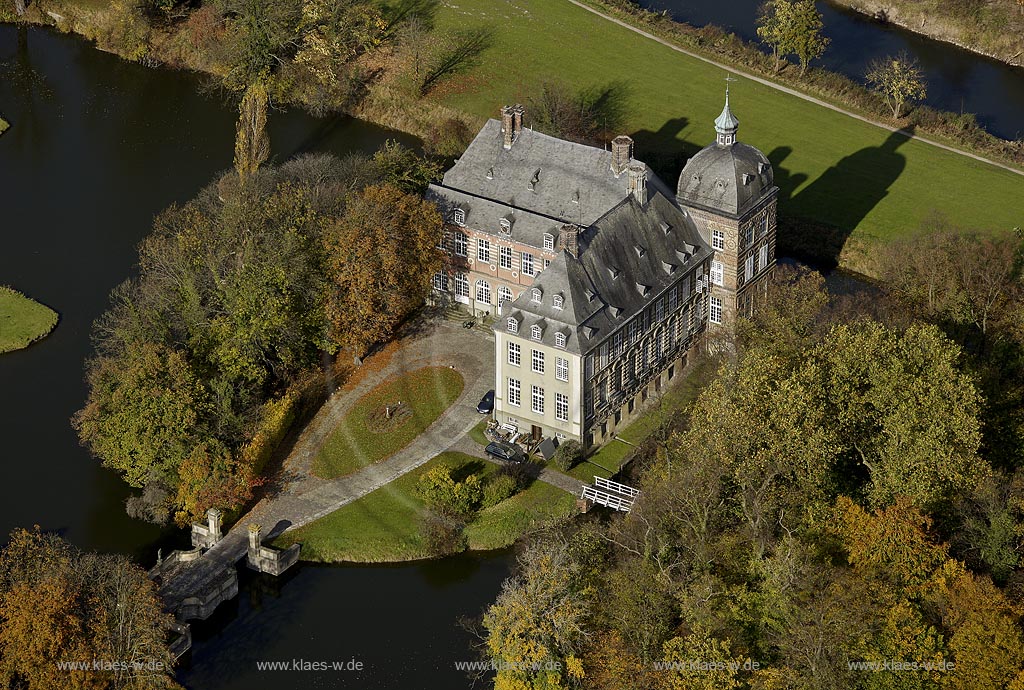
717, 240
562, 407
762, 254
515, 353
504, 295
460, 242
717, 272
549, 242
560, 340
527, 264
483, 288
505, 258
536, 333
749, 268
512, 325
483, 251
440, 281
537, 361
514, 392
459, 216
537, 399
556, 301
715, 310
536, 295
462, 285
561, 368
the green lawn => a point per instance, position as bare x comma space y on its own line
363, 437
22, 321
830, 167
385, 525
477, 433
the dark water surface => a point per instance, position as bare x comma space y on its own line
97, 147
958, 80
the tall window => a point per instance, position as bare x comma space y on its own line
537, 400
559, 339
527, 264
715, 310
514, 352
762, 229
513, 392
459, 242
505, 257
536, 333
717, 239
537, 359
762, 256
504, 295
461, 285
717, 272
483, 251
459, 216
512, 324
549, 242
561, 407
483, 291
561, 368
685, 289
748, 236
440, 282
748, 269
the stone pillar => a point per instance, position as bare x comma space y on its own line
622, 153
638, 182
511, 123
214, 519
255, 533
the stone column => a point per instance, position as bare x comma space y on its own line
214, 519
255, 533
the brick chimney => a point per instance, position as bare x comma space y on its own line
511, 123
638, 182
570, 238
622, 153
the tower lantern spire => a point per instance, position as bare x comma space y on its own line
726, 124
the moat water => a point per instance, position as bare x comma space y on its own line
958, 80
97, 147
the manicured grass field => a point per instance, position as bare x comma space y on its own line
22, 320
363, 437
830, 167
385, 525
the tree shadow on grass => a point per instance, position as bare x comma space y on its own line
663, 150
458, 54
839, 200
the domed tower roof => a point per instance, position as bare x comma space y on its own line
726, 177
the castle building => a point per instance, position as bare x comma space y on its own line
602, 281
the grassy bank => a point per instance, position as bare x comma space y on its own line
22, 320
866, 181
386, 525
366, 434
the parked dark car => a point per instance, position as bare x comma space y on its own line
486, 405
505, 451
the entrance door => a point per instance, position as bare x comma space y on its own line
535, 432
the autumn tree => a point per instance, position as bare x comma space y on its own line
899, 79
383, 252
773, 20
335, 32
252, 144
60, 605
19, 7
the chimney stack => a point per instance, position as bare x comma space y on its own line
570, 238
638, 182
622, 153
511, 123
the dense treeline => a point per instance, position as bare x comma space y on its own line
846, 490
240, 293
59, 606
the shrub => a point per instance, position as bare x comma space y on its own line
568, 455
522, 472
440, 490
502, 486
443, 534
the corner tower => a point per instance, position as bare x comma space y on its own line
728, 189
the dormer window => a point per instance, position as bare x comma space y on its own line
506, 226
666, 228
537, 294
556, 301
613, 272
513, 325
640, 251
549, 242
747, 178
560, 340
459, 216
536, 333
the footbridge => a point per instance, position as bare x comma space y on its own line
605, 492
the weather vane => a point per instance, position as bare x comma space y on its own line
729, 79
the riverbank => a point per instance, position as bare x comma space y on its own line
23, 321
993, 29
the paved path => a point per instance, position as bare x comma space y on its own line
547, 475
302, 498
792, 92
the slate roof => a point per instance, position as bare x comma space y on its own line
725, 179
626, 260
556, 181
